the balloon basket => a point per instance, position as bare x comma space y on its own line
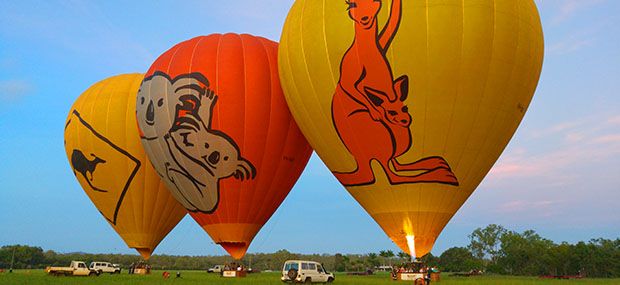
234, 273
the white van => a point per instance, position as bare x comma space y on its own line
305, 271
104, 267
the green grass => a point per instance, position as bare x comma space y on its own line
37, 277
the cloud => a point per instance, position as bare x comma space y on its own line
13, 90
583, 143
528, 205
569, 45
570, 8
615, 120
608, 139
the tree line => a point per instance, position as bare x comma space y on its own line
492, 249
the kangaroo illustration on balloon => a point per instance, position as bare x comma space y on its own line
85, 166
195, 157
368, 107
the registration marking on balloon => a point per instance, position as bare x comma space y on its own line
93, 165
369, 101
197, 157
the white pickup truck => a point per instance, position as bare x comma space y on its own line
77, 268
216, 269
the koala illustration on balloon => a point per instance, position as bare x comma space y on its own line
174, 119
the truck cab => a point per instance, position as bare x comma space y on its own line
80, 269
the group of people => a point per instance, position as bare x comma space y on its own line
139, 265
234, 266
414, 267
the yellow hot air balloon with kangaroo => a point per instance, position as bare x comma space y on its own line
410, 103
105, 154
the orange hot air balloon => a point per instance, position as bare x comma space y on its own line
410, 103
105, 154
215, 125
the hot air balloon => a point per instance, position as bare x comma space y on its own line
215, 125
105, 154
410, 103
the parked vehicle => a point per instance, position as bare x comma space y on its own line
77, 268
305, 271
104, 267
216, 269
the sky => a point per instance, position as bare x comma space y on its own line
560, 174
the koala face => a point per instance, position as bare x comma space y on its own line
155, 107
222, 156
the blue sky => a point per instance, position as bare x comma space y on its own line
560, 175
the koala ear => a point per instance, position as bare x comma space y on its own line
374, 96
402, 87
245, 170
187, 86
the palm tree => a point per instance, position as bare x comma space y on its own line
387, 254
404, 255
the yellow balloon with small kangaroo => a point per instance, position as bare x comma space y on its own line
106, 156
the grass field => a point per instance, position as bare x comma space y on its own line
37, 277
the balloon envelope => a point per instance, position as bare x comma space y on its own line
107, 158
410, 103
215, 125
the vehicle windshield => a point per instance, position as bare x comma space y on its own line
291, 265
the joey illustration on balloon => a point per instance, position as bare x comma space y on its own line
368, 100
196, 157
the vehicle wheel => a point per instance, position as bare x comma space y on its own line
292, 274
330, 280
92, 274
308, 281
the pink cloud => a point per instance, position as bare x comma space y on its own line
581, 146
608, 139
614, 120
538, 208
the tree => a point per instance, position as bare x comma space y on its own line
24, 256
430, 260
485, 243
345, 260
523, 254
372, 260
458, 259
387, 254
339, 264
404, 257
